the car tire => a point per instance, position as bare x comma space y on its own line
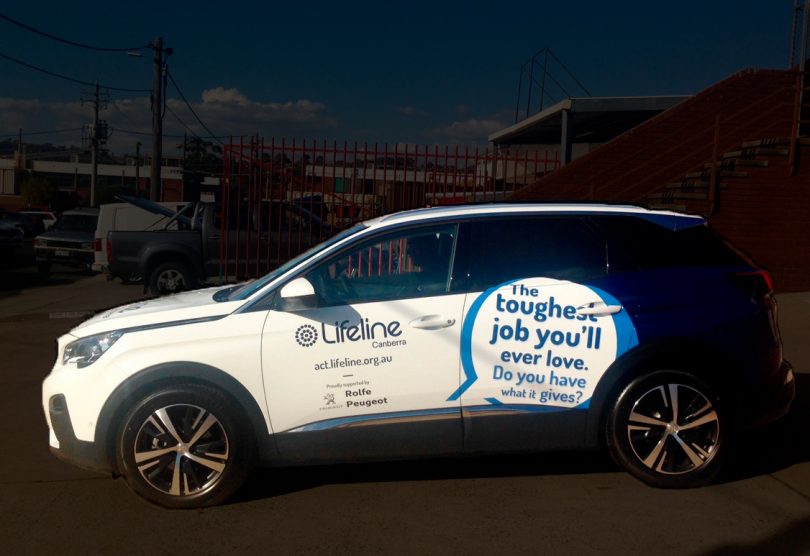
667, 429
43, 268
185, 446
171, 277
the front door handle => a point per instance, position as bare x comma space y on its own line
598, 308
432, 322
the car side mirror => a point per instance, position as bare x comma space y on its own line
297, 295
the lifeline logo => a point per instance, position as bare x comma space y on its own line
306, 335
346, 331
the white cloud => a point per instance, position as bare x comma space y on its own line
473, 130
223, 95
225, 111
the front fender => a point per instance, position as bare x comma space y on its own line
149, 379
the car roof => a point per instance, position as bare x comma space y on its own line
668, 219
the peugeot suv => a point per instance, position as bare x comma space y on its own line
435, 332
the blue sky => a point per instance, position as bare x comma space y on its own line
401, 72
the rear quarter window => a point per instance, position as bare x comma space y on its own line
637, 244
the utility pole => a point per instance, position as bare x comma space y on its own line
96, 136
157, 118
94, 149
20, 151
137, 168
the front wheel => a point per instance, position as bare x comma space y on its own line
184, 446
666, 429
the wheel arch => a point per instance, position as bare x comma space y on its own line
157, 257
687, 355
173, 373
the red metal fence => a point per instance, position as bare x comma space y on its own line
280, 197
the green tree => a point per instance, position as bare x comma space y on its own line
202, 157
37, 191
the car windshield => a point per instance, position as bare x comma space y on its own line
248, 289
77, 223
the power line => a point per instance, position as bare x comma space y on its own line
51, 132
182, 123
67, 78
72, 43
145, 133
210, 133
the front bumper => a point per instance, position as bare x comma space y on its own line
65, 256
64, 444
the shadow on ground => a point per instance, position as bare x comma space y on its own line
765, 451
19, 273
777, 446
269, 483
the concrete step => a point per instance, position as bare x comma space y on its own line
697, 175
669, 196
733, 174
688, 186
772, 142
730, 163
754, 152
667, 206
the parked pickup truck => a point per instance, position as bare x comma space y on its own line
197, 251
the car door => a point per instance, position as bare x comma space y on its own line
539, 333
366, 367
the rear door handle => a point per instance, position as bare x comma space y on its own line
432, 322
598, 308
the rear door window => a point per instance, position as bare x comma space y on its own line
563, 248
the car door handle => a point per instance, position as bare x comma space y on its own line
432, 322
598, 308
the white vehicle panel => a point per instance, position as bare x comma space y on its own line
230, 344
334, 366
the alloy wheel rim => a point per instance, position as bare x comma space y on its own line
673, 429
170, 280
181, 450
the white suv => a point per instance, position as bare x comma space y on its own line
444, 331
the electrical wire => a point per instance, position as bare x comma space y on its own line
51, 132
146, 133
72, 43
210, 133
74, 80
182, 123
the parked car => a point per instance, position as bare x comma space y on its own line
174, 260
435, 332
30, 225
47, 217
11, 237
126, 216
69, 242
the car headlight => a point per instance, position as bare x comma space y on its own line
85, 351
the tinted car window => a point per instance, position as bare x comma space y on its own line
77, 223
555, 247
411, 263
637, 244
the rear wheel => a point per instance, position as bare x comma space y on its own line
171, 277
184, 447
667, 428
